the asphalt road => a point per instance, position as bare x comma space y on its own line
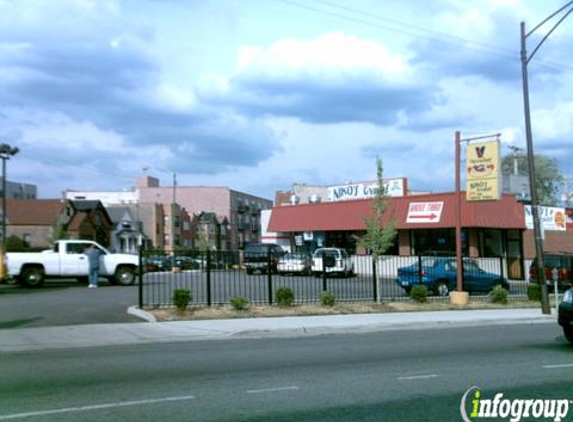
65, 302
414, 375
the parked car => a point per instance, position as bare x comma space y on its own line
563, 262
342, 263
294, 263
257, 257
565, 317
439, 275
155, 263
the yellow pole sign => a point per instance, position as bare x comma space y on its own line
483, 171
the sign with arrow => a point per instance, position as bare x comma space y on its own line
425, 212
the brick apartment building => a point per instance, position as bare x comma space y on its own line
234, 216
240, 210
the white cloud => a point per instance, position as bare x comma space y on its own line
554, 123
333, 56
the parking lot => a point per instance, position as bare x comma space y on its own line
65, 302
220, 286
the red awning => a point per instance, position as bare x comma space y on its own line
506, 213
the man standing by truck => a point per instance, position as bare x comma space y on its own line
93, 254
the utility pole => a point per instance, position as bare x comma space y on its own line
540, 268
515, 155
173, 204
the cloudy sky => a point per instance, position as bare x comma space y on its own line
258, 94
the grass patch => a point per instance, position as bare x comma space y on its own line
261, 311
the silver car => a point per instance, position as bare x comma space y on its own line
294, 263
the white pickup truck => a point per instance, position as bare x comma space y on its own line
67, 260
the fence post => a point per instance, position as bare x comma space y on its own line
269, 276
208, 277
140, 281
375, 280
420, 269
324, 276
501, 267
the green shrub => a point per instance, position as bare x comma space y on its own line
181, 298
239, 303
327, 298
534, 292
285, 296
498, 295
419, 293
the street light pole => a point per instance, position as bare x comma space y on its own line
6, 151
530, 155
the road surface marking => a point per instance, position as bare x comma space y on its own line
565, 365
417, 377
93, 407
272, 390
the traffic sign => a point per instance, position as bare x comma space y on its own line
425, 212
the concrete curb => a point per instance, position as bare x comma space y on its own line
140, 313
97, 335
373, 328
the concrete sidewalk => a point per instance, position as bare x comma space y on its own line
74, 336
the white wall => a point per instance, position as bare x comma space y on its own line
282, 239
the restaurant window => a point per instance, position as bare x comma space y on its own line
491, 243
437, 241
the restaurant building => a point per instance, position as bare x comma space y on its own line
425, 224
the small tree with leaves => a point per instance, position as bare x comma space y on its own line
379, 239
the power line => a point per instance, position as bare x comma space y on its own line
424, 33
417, 27
456, 41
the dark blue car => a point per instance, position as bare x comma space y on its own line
439, 275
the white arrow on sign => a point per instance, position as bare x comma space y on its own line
425, 212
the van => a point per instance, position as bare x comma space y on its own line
257, 257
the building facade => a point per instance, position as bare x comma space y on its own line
39, 222
241, 210
20, 190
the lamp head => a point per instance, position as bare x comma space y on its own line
6, 151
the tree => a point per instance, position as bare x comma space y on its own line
16, 244
378, 239
201, 242
548, 178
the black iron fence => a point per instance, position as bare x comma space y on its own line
213, 278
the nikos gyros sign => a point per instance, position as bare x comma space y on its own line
483, 171
392, 187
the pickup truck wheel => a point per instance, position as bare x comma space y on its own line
33, 277
124, 276
249, 271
